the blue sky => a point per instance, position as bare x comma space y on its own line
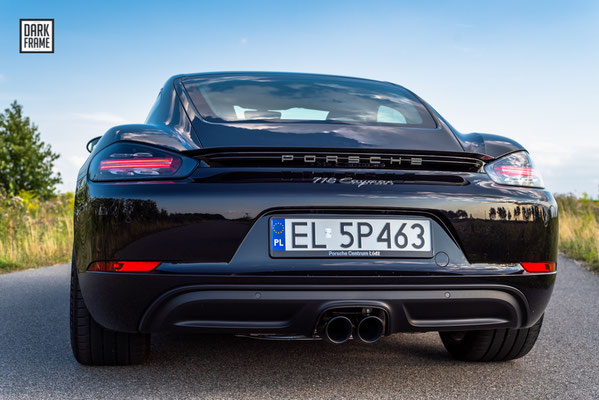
527, 70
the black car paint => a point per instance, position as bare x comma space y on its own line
225, 211
197, 224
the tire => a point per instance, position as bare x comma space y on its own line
93, 344
491, 345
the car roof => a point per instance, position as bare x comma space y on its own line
274, 73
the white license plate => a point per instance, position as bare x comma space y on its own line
350, 237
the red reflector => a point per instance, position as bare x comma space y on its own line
538, 266
123, 266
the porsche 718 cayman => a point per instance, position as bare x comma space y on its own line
285, 205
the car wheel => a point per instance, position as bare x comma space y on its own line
93, 344
491, 345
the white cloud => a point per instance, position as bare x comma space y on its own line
102, 117
243, 41
550, 155
77, 160
568, 168
465, 49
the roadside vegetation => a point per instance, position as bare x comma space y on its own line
35, 232
579, 229
36, 225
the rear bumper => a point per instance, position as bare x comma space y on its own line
293, 306
296, 312
211, 236
203, 222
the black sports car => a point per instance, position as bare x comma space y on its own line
285, 205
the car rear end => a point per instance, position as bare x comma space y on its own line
329, 239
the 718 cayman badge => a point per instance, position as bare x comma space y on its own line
351, 181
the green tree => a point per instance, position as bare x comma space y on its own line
26, 162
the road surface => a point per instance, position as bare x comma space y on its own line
36, 360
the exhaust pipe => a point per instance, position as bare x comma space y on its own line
337, 330
370, 329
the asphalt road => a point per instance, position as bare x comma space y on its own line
36, 360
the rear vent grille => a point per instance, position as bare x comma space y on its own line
321, 159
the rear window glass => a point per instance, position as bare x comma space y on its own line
297, 98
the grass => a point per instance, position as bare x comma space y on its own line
35, 233
579, 229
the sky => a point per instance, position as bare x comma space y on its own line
528, 70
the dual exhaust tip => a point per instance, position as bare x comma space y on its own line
340, 328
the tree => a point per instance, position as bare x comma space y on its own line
26, 162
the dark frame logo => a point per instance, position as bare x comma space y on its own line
36, 35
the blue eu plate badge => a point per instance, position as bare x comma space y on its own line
277, 226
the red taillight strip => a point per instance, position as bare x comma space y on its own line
135, 160
519, 171
538, 266
123, 266
134, 166
137, 163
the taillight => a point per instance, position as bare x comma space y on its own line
123, 266
538, 266
131, 161
151, 165
516, 169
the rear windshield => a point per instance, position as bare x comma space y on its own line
285, 98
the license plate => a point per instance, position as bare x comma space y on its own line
350, 237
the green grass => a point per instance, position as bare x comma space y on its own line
35, 233
579, 229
